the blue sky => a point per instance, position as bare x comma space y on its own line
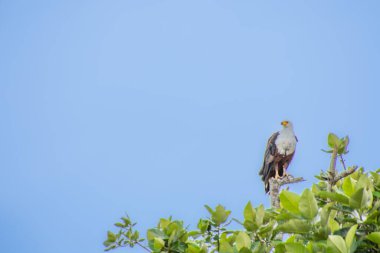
156, 108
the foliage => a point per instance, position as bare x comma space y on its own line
126, 235
342, 217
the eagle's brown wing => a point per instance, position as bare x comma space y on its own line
268, 170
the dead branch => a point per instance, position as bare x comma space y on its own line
275, 185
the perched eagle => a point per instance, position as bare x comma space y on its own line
278, 154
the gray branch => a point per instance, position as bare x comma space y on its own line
332, 170
275, 185
332, 174
144, 247
345, 173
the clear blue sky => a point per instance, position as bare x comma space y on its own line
156, 108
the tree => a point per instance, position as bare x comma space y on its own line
338, 214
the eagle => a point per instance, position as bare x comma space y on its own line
279, 153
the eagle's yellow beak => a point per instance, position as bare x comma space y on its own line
285, 123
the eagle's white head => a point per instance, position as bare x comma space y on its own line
287, 124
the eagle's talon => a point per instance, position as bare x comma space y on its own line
277, 175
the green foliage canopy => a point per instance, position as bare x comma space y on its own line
343, 220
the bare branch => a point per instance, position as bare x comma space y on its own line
345, 173
275, 184
289, 179
342, 161
144, 247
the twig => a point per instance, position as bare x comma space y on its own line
342, 161
345, 173
142, 246
218, 245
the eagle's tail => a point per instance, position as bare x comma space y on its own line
267, 188
265, 175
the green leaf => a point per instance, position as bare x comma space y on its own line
135, 236
260, 248
192, 248
373, 216
336, 244
291, 239
280, 248
107, 243
350, 236
333, 224
158, 244
120, 225
308, 205
154, 232
295, 247
333, 140
334, 196
177, 247
194, 233
225, 247
295, 226
363, 182
173, 237
126, 220
290, 201
260, 212
325, 213
111, 237
249, 212
110, 247
284, 216
163, 223
374, 237
309, 247
376, 178
342, 149
348, 186
268, 227
359, 198
317, 246
203, 225
245, 250
209, 209
173, 226
220, 215
250, 225
243, 241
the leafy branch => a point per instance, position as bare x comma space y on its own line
338, 148
125, 237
